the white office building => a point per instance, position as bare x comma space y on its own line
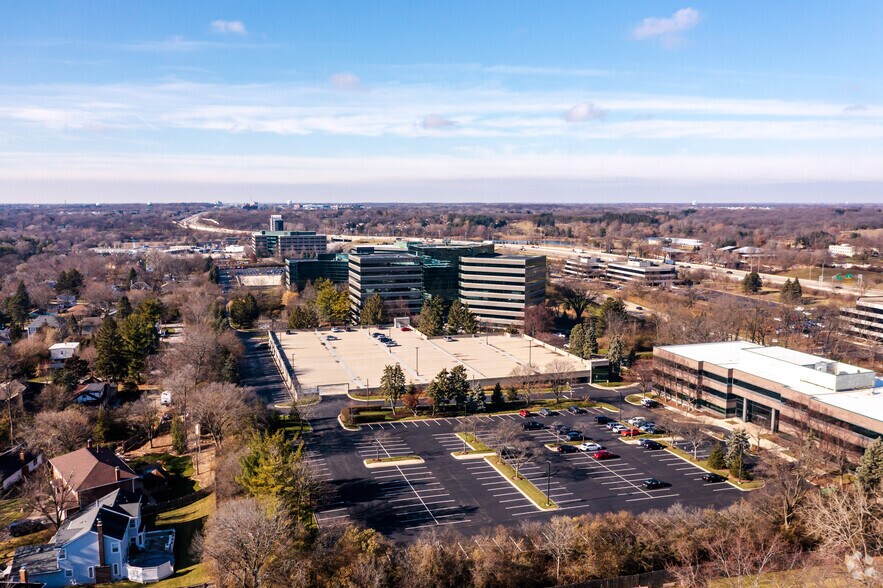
645, 272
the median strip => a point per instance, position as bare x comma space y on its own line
523, 485
399, 460
477, 449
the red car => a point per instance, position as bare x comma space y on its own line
603, 454
406, 328
524, 412
631, 432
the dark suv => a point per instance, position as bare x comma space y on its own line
532, 426
603, 420
576, 410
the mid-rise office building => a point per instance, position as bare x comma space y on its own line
396, 275
779, 389
330, 266
441, 265
644, 272
582, 268
498, 289
865, 321
276, 223
281, 243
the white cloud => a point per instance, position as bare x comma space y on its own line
346, 81
436, 121
228, 26
667, 30
584, 111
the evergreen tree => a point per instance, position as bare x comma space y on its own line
124, 308
230, 369
512, 393
267, 467
18, 306
497, 395
139, 339
179, 436
737, 467
432, 317
243, 311
214, 275
110, 358
332, 302
437, 391
461, 319
616, 354
797, 290
577, 341
392, 384
870, 470
458, 384
373, 311
752, 283
99, 431
717, 458
738, 445
69, 281
591, 344
303, 316
479, 398
131, 279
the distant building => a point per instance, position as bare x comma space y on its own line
273, 243
584, 267
17, 462
842, 250
865, 321
441, 265
276, 223
396, 276
331, 266
644, 272
61, 352
498, 289
778, 389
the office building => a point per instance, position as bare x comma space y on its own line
498, 289
276, 223
583, 268
280, 243
441, 265
644, 272
396, 275
331, 266
778, 389
842, 250
865, 321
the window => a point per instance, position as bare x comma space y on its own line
91, 572
61, 554
68, 573
114, 547
132, 523
116, 569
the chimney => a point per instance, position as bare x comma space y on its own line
99, 527
116, 473
23, 575
89, 443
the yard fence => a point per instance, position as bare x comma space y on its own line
152, 509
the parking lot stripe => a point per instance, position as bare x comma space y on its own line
652, 497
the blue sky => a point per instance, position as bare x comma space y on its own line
454, 101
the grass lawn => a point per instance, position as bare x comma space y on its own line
473, 442
702, 463
376, 414
10, 510
293, 426
610, 384
636, 398
7, 548
532, 492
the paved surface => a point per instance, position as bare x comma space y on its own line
469, 495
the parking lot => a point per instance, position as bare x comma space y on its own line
470, 494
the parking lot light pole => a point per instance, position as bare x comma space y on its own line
417, 360
548, 483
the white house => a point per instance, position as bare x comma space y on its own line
842, 250
61, 352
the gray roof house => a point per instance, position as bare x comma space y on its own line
105, 542
48, 320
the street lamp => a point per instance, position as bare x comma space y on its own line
548, 483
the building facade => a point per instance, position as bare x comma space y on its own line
584, 268
842, 250
331, 266
396, 276
277, 243
778, 389
498, 289
865, 321
644, 272
276, 223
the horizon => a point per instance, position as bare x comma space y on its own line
647, 103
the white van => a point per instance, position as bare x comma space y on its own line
165, 398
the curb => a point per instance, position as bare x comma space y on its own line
467, 456
389, 464
514, 485
710, 472
346, 428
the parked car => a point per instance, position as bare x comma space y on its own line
561, 429
331, 338
651, 444
649, 403
406, 329
508, 452
602, 420
633, 432
377, 335
576, 410
713, 478
525, 413
652, 483
574, 436
590, 446
27, 526
637, 421
449, 339
336, 330
532, 426
604, 454
545, 412
564, 448
619, 428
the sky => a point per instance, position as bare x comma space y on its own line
553, 101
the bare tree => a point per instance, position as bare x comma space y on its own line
641, 373
560, 539
222, 408
525, 377
519, 453
786, 481
845, 521
559, 373
144, 415
246, 542
58, 432
691, 432
48, 496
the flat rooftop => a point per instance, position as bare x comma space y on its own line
837, 384
355, 359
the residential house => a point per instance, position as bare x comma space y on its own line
61, 352
13, 391
107, 541
94, 393
91, 473
44, 320
17, 462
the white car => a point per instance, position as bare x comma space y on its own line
637, 421
589, 446
617, 428
165, 398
